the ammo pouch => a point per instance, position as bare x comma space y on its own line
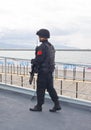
46, 68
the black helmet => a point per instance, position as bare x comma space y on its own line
43, 33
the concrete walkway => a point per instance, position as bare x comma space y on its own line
15, 114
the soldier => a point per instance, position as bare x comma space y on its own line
45, 61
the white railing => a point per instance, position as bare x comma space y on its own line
72, 80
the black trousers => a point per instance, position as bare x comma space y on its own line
45, 81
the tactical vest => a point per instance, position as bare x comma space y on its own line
49, 63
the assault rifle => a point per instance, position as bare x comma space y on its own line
34, 69
31, 74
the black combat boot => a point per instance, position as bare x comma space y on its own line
36, 108
56, 107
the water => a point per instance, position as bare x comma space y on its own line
75, 57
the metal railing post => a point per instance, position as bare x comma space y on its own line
20, 69
11, 79
76, 89
17, 69
61, 87
0, 77
13, 69
83, 73
5, 70
56, 72
27, 70
65, 72
22, 81
74, 73
24, 70
2, 68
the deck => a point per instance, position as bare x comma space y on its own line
15, 114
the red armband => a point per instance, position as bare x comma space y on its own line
39, 52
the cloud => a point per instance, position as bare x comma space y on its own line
17, 38
64, 31
68, 21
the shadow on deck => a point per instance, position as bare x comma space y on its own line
15, 114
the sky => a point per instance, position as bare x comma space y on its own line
69, 22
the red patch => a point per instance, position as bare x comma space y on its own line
39, 52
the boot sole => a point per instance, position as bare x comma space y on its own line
58, 109
35, 110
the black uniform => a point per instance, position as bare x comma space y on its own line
45, 63
44, 60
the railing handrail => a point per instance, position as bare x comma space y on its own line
27, 49
13, 58
83, 65
64, 63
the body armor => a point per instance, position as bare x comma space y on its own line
49, 64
